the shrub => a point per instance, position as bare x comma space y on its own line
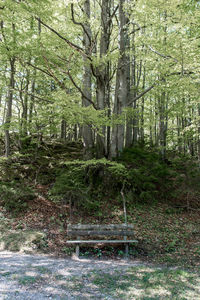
14, 196
148, 174
86, 183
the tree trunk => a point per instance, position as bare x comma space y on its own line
162, 135
24, 121
31, 105
102, 73
63, 130
123, 81
87, 85
199, 134
9, 107
142, 113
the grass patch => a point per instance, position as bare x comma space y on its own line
136, 283
43, 270
28, 280
5, 274
148, 283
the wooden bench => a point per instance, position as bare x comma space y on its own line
90, 230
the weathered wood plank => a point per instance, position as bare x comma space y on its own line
99, 227
100, 232
100, 241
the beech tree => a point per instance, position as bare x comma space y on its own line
112, 73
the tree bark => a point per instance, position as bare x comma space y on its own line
163, 125
63, 130
199, 134
24, 117
122, 82
102, 72
87, 83
9, 107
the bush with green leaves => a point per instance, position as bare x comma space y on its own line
149, 176
186, 182
14, 196
139, 171
88, 182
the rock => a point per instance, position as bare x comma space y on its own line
21, 240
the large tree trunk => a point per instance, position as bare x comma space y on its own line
122, 82
102, 73
87, 85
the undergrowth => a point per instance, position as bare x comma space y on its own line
139, 173
15, 195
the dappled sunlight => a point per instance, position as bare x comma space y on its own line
40, 276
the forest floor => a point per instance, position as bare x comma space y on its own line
165, 235
164, 265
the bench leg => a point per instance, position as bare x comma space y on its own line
126, 250
77, 250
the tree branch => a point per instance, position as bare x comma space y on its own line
72, 80
72, 45
162, 55
39, 69
113, 14
32, 95
79, 89
61, 84
79, 23
142, 94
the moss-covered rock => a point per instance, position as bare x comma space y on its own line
21, 240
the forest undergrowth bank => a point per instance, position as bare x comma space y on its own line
45, 188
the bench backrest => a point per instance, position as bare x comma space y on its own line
100, 230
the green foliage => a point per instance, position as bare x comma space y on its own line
15, 195
147, 173
88, 182
186, 182
139, 171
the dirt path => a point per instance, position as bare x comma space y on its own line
40, 277
43, 277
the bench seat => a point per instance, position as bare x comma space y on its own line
105, 230
100, 241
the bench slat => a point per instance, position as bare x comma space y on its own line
100, 233
101, 241
99, 227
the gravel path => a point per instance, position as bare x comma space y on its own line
39, 277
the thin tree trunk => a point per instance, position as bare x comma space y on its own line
150, 125
9, 107
179, 134
24, 122
142, 113
199, 134
63, 130
162, 135
31, 105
